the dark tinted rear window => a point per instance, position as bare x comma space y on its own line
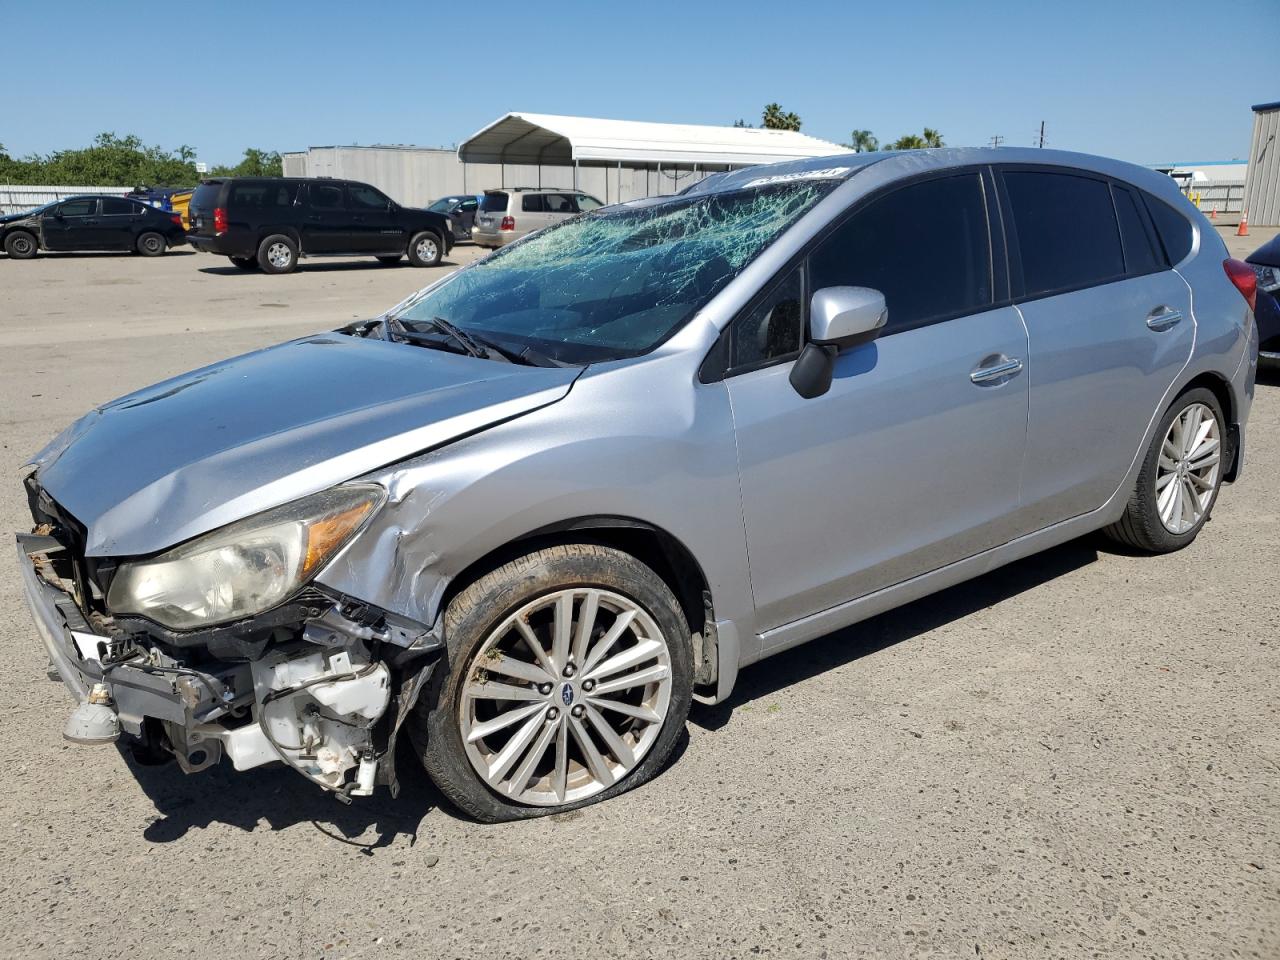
1066, 231
264, 195
532, 203
494, 203
1141, 248
1173, 227
326, 196
118, 205
206, 196
925, 247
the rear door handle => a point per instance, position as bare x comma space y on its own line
998, 371
1163, 318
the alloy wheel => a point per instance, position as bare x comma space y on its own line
1187, 471
565, 697
279, 255
426, 249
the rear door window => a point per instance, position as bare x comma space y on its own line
1174, 230
559, 203
262, 195
494, 203
925, 246
1066, 231
532, 203
118, 206
1142, 254
326, 196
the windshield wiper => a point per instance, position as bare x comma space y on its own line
474, 344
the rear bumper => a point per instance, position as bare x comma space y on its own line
221, 245
493, 238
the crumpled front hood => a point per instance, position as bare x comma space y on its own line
194, 453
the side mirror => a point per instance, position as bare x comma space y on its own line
843, 316
838, 317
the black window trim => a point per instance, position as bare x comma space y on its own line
1017, 283
1162, 256
999, 272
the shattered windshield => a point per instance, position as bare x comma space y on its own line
618, 282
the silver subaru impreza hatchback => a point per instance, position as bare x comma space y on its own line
525, 517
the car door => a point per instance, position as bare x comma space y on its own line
120, 222
1110, 327
533, 213
911, 459
375, 226
72, 225
558, 207
326, 221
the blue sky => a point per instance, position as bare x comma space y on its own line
1143, 81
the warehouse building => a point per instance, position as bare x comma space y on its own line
1262, 182
613, 160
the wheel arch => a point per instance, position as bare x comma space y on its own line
659, 549
1220, 387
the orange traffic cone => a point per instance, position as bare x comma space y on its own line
1213, 212
1243, 229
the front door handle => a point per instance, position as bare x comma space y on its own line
1003, 370
1163, 318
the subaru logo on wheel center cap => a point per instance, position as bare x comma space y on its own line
566, 694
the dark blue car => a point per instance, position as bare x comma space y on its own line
1266, 264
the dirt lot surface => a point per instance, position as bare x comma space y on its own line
1077, 756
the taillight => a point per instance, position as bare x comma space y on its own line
508, 223
1246, 281
176, 218
219, 219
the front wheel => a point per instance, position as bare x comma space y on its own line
20, 245
567, 679
425, 249
1180, 477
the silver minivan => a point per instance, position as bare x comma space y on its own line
528, 515
508, 214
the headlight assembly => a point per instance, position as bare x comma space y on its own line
246, 567
1268, 278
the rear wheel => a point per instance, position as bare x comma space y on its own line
567, 680
244, 263
1180, 477
151, 244
425, 249
278, 254
20, 245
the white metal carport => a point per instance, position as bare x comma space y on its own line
539, 139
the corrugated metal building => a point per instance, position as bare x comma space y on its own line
613, 160
14, 199
1262, 182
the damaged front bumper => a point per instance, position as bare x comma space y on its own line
325, 695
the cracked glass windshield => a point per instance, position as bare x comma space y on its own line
614, 283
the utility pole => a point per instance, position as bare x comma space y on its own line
1042, 134
997, 140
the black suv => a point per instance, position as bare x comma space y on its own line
270, 222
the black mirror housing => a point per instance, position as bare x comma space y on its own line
812, 372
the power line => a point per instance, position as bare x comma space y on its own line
997, 140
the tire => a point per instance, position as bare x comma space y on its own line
390, 261
1161, 521
479, 621
151, 244
426, 249
245, 263
20, 245
278, 254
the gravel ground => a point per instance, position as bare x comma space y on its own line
1076, 756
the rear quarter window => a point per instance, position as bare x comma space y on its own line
206, 196
494, 203
1174, 229
1142, 253
262, 196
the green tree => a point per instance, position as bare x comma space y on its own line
773, 118
863, 142
915, 141
109, 161
256, 163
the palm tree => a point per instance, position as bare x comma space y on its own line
863, 142
774, 119
912, 141
932, 138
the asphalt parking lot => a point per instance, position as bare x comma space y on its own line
1077, 756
